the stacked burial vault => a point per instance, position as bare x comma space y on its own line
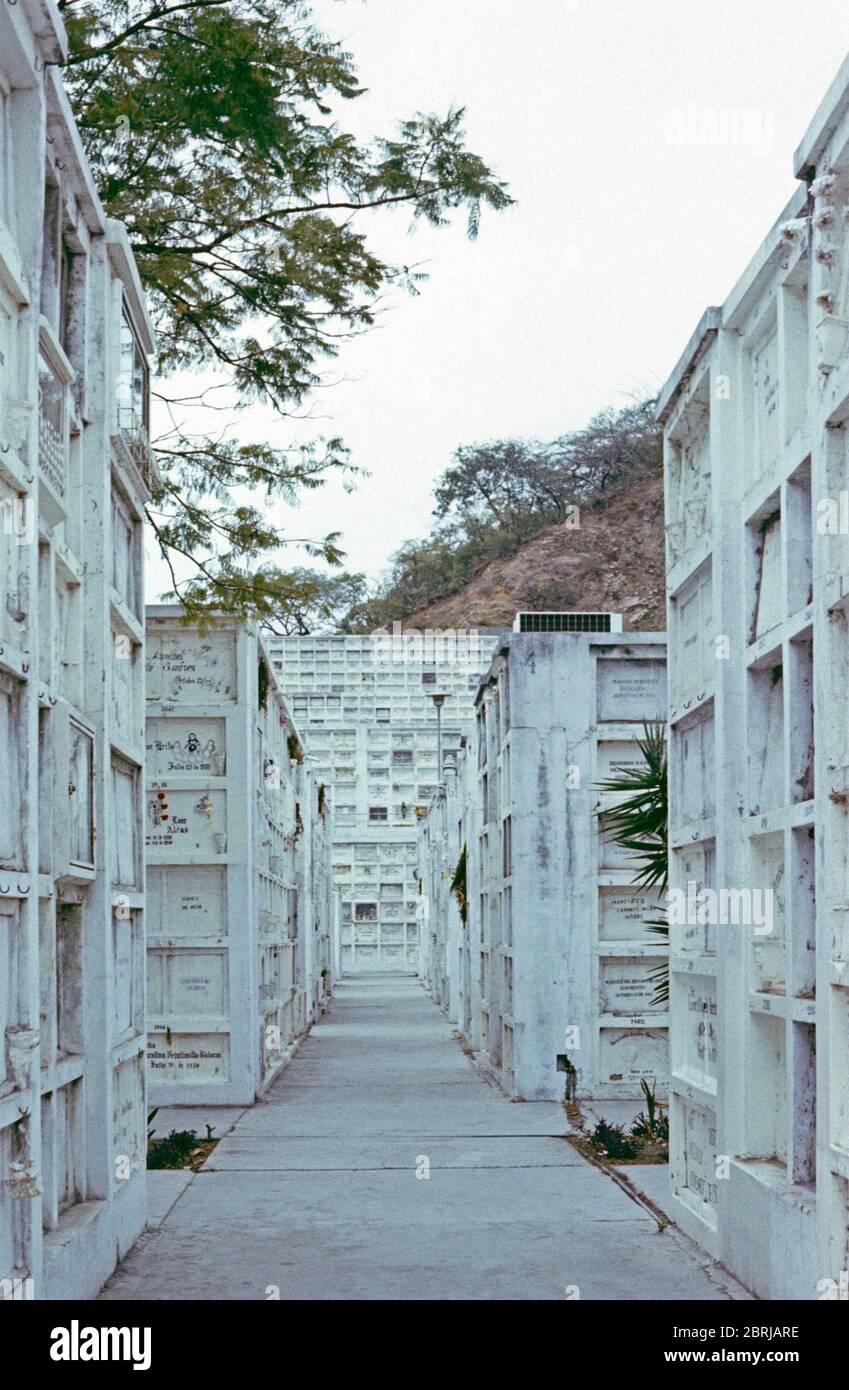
549, 975
757, 506
524, 919
75, 470
238, 841
235, 829
757, 523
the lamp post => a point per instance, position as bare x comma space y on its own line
439, 701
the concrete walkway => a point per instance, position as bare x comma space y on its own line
314, 1192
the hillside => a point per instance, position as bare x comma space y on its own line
613, 561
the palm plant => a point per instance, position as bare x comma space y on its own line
639, 822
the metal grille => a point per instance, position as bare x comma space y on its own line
563, 622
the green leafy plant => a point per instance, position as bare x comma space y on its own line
262, 683
495, 496
651, 1125
639, 823
458, 886
612, 1142
216, 132
173, 1152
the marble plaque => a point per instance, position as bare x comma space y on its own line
696, 665
184, 745
189, 669
189, 984
189, 1057
625, 986
631, 690
698, 1145
696, 1007
622, 913
128, 1111
185, 900
766, 393
614, 856
629, 1055
125, 867
695, 768
194, 820
694, 865
616, 756
122, 688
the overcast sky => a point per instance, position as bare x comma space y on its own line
649, 146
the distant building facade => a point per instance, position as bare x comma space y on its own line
370, 729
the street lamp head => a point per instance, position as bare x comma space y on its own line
438, 700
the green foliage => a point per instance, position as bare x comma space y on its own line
458, 886
612, 1141
496, 496
651, 1125
173, 1152
214, 131
639, 823
262, 680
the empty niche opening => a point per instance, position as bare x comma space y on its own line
761, 913
69, 978
764, 565
804, 1156
803, 912
766, 1117
799, 539
801, 707
765, 735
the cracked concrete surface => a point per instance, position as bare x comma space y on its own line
314, 1192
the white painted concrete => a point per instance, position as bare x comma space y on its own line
756, 465
316, 1193
75, 467
551, 969
238, 850
369, 725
